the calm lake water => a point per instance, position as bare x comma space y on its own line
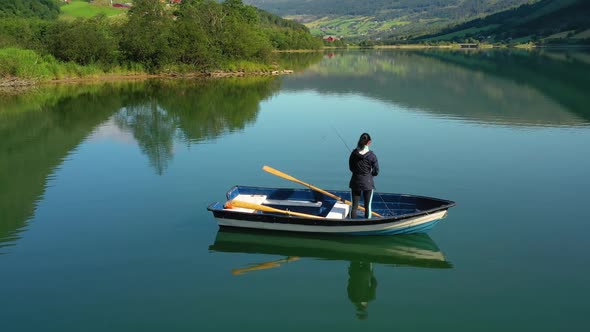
104, 189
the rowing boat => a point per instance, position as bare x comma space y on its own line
326, 212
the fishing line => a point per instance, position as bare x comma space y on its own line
342, 139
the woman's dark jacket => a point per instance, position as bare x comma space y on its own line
363, 167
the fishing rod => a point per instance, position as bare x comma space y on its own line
342, 139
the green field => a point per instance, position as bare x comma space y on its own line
462, 33
350, 26
81, 8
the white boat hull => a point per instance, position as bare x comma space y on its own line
410, 225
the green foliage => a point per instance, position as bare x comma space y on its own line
146, 36
205, 34
25, 64
84, 41
28, 64
289, 39
367, 44
208, 34
195, 29
43, 9
24, 33
195, 35
267, 19
286, 34
240, 36
341, 43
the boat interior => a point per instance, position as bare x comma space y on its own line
311, 202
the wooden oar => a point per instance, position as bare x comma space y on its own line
258, 207
290, 178
264, 266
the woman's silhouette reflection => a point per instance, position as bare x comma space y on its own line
362, 286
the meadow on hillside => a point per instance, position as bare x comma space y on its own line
85, 9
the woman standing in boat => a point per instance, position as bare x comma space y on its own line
364, 166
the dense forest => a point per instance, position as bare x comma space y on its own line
154, 36
539, 22
44, 9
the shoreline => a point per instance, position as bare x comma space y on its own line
458, 46
16, 82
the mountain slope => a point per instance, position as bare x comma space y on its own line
382, 17
546, 19
385, 9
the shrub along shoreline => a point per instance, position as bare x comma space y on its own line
19, 67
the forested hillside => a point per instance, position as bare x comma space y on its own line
379, 18
44, 9
544, 21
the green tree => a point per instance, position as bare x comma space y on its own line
194, 33
146, 36
43, 9
241, 36
84, 41
24, 33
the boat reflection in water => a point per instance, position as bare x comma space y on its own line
414, 250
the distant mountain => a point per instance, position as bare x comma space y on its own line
545, 21
382, 17
385, 9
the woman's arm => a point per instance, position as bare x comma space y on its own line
375, 166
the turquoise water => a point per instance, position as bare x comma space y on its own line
104, 189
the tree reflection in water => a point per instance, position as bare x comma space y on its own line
191, 112
38, 130
153, 128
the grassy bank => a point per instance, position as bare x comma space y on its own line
29, 66
26, 67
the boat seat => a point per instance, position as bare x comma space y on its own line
339, 211
288, 202
254, 199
